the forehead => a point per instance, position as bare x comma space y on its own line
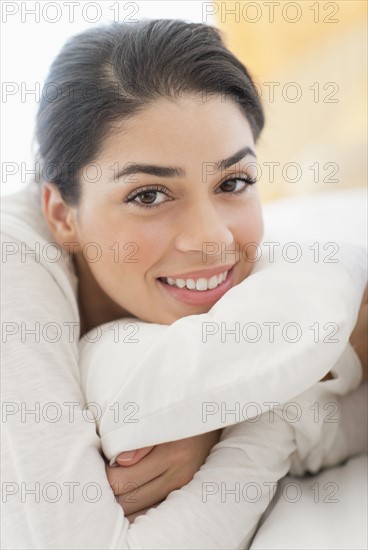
175, 130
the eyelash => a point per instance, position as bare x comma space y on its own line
159, 189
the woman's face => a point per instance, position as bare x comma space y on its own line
181, 217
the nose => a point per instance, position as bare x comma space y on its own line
200, 226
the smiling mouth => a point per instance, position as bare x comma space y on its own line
200, 284
198, 291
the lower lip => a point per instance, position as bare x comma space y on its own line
199, 297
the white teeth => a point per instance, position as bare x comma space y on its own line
212, 283
200, 284
190, 284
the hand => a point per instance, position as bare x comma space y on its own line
359, 336
156, 471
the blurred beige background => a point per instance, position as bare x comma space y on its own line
321, 57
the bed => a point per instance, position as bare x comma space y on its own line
326, 511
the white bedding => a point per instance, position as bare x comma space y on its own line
325, 512
313, 521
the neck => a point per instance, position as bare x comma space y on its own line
95, 306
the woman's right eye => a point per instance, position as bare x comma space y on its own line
147, 198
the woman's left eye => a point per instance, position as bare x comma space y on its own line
236, 185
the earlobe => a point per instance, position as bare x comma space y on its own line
59, 215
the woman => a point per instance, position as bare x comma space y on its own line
101, 89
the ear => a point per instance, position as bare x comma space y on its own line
60, 217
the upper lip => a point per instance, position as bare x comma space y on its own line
204, 273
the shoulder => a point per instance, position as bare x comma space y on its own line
28, 250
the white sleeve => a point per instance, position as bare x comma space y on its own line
352, 401
55, 490
344, 410
223, 504
331, 418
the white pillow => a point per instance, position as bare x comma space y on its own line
339, 217
165, 383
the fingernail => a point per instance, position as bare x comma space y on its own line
126, 456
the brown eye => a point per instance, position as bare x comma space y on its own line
235, 185
229, 186
148, 197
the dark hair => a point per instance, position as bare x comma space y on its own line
111, 72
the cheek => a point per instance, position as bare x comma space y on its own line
151, 244
249, 224
134, 249
249, 233
258, 224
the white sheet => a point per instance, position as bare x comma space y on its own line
325, 512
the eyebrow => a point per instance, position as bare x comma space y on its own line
173, 171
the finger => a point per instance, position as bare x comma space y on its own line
128, 458
121, 479
146, 496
